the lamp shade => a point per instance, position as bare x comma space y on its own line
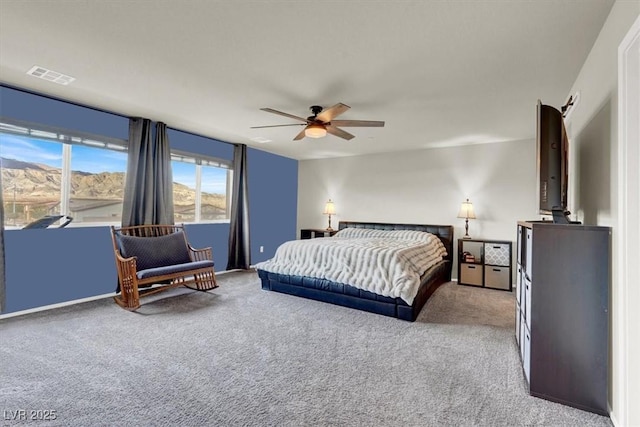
466, 210
315, 130
329, 208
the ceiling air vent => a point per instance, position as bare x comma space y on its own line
52, 76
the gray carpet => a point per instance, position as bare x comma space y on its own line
239, 355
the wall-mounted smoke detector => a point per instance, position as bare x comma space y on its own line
50, 75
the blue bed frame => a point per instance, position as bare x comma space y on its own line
349, 296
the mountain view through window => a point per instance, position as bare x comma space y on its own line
57, 174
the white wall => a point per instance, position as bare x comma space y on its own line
592, 126
594, 135
426, 187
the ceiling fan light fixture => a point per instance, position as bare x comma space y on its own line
322, 122
315, 130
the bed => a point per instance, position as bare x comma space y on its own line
349, 295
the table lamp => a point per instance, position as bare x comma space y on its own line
329, 209
466, 212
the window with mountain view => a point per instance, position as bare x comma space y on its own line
51, 172
31, 178
200, 188
47, 171
97, 183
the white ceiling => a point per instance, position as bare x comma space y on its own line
440, 73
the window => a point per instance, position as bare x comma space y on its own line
47, 171
201, 188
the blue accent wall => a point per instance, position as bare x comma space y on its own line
39, 109
185, 141
273, 202
55, 265
51, 266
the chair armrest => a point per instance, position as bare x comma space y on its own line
121, 259
126, 266
128, 280
204, 254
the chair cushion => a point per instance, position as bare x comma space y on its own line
169, 269
152, 252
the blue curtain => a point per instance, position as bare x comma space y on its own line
148, 192
239, 243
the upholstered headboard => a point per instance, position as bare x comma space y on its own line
444, 232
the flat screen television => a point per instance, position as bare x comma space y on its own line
552, 163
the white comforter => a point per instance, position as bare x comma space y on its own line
386, 262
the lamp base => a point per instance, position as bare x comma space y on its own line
466, 229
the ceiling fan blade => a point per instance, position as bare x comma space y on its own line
329, 113
358, 123
276, 126
280, 113
339, 132
300, 135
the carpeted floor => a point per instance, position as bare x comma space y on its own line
239, 355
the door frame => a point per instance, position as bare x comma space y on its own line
627, 270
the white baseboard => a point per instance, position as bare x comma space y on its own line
58, 305
612, 416
67, 303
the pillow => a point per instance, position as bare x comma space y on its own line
155, 251
412, 235
353, 233
384, 234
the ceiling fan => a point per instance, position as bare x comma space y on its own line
321, 122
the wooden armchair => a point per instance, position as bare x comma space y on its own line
157, 258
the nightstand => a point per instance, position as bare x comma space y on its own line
312, 233
484, 263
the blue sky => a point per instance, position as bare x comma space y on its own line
30, 150
214, 180
97, 160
